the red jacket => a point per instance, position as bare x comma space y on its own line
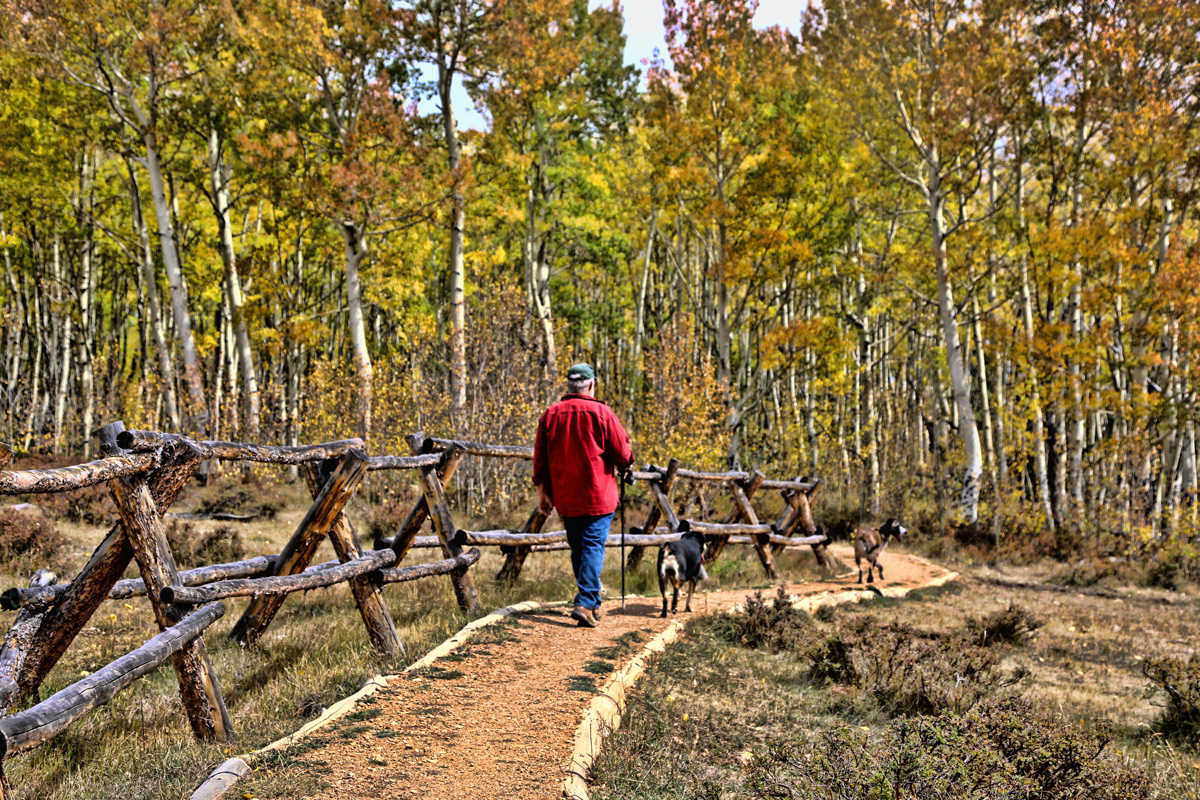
578, 448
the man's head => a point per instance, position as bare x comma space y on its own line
581, 379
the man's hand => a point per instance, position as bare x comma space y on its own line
545, 504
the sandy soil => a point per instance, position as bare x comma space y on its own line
501, 723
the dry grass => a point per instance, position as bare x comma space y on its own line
140, 746
1085, 665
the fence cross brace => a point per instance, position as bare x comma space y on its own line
319, 521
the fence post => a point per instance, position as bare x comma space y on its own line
420, 511
147, 536
665, 482
299, 550
749, 489
443, 525
515, 555
762, 541
367, 595
91, 586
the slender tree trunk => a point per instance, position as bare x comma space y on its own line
166, 364
219, 177
973, 466
355, 254
458, 314
197, 410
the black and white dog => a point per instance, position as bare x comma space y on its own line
678, 563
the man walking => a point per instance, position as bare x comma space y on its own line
579, 450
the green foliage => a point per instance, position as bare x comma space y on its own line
1180, 681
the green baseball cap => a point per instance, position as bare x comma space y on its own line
581, 372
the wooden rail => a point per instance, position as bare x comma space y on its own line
21, 731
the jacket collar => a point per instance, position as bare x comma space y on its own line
573, 396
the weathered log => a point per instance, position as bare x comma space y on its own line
638, 539
748, 513
644, 475
714, 477
417, 515
666, 481
198, 686
50, 717
663, 535
367, 595
279, 584
507, 538
445, 567
443, 525
91, 586
664, 504
17, 640
238, 451
420, 542
797, 485
403, 462
299, 550
514, 559
478, 449
6, 454
727, 529
16, 598
64, 479
749, 487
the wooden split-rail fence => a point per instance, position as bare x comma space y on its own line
146, 471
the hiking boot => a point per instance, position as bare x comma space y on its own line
583, 616
597, 614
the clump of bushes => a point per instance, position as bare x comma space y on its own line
1013, 625
909, 671
902, 669
194, 548
29, 542
244, 494
776, 625
1003, 748
1180, 680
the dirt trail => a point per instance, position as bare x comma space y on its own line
501, 722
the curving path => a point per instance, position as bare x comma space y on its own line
498, 719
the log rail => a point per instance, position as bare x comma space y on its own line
146, 470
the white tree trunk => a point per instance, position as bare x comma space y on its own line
197, 409
219, 177
973, 462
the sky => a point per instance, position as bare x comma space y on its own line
643, 33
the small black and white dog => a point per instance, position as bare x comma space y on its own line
679, 563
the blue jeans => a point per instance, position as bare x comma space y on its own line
587, 537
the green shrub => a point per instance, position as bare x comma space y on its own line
29, 542
1013, 625
1180, 680
1001, 749
194, 548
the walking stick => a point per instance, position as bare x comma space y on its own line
621, 481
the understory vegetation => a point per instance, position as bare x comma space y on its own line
1032, 694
